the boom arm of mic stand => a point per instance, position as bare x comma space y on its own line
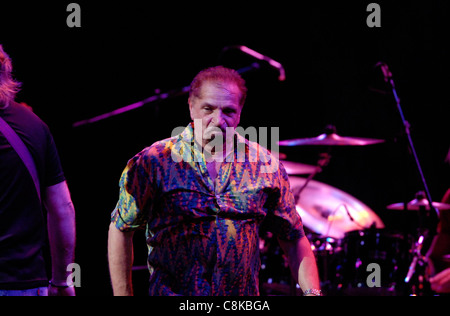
133, 106
323, 161
151, 99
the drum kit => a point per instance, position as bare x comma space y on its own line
346, 236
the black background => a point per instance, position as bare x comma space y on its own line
125, 51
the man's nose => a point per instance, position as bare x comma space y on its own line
219, 120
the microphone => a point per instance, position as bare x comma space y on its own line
385, 69
259, 56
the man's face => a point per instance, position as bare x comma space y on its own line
217, 106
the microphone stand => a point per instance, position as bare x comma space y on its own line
433, 211
324, 160
184, 90
154, 98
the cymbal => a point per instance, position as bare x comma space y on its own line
331, 212
417, 204
297, 167
331, 139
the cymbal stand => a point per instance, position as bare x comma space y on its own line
418, 258
417, 276
324, 160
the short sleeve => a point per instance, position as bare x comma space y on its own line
132, 209
53, 170
283, 218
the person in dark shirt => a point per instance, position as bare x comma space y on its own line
22, 223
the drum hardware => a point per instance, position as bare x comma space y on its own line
328, 211
297, 168
360, 233
419, 270
330, 138
418, 258
329, 214
324, 160
332, 213
325, 210
416, 274
420, 202
346, 236
421, 207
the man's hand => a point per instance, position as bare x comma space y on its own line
302, 263
61, 291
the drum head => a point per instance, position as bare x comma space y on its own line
331, 212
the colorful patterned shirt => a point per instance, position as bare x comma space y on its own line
202, 235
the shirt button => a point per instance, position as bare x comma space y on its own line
218, 200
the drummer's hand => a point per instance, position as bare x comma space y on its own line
440, 283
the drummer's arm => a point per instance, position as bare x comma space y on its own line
302, 263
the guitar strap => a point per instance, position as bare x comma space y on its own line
23, 152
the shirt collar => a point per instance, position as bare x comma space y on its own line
187, 136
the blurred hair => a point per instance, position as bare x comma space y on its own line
8, 86
218, 74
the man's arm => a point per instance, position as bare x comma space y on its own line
120, 257
61, 233
302, 263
